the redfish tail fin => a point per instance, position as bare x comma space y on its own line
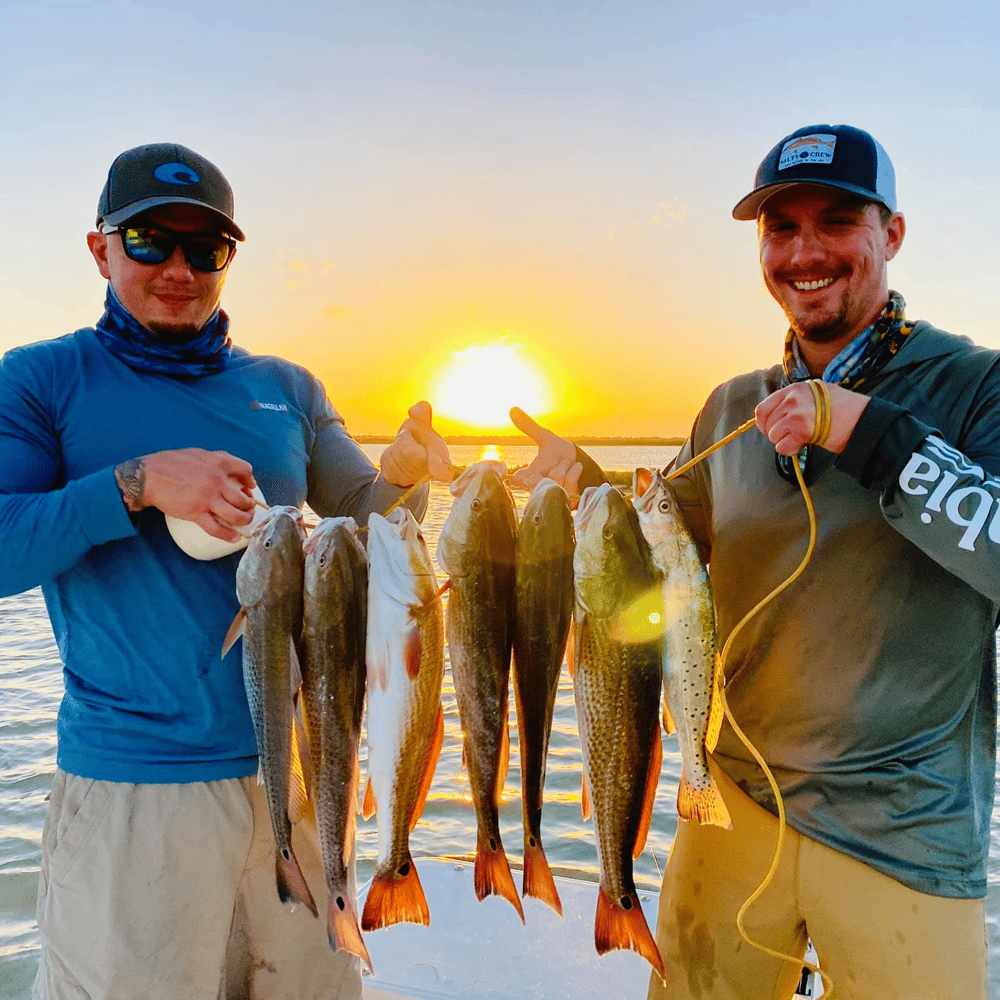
706, 806
622, 925
292, 887
493, 877
395, 896
343, 931
538, 880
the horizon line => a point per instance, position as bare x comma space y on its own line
522, 439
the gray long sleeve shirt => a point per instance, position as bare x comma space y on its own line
869, 686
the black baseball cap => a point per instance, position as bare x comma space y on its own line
165, 173
839, 156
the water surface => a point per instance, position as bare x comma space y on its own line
31, 685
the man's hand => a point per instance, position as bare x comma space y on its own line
788, 417
211, 488
417, 452
556, 458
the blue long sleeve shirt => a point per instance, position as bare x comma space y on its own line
138, 623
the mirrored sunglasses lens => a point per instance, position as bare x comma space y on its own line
147, 247
206, 253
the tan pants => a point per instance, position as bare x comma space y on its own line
167, 892
876, 939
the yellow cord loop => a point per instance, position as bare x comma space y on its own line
821, 431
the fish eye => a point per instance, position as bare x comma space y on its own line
322, 559
267, 544
476, 505
537, 519
608, 531
420, 536
664, 505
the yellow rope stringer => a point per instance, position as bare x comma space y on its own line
827, 981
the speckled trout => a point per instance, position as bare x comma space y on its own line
335, 607
269, 589
476, 550
405, 718
616, 685
544, 610
692, 702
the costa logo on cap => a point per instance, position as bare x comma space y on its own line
165, 173
807, 149
176, 173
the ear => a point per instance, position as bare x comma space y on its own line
98, 244
895, 230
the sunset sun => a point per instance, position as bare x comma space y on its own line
480, 384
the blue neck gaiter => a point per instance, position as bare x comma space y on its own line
125, 337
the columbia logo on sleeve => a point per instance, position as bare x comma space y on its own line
940, 466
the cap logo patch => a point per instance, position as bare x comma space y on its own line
805, 149
176, 173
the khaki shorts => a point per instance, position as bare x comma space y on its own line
877, 939
167, 892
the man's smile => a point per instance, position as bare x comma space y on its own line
809, 286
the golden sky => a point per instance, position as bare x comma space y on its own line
418, 181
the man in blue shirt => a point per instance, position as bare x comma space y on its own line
157, 874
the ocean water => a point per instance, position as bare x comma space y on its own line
31, 685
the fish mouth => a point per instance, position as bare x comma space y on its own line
326, 528
590, 501
643, 501
546, 485
275, 520
467, 478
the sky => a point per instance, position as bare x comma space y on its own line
419, 180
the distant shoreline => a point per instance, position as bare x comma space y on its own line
514, 440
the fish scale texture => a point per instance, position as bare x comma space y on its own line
267, 671
417, 720
333, 688
616, 688
544, 608
480, 617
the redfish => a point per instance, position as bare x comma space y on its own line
544, 610
476, 550
333, 692
269, 582
616, 685
405, 718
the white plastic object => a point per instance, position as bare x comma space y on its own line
199, 544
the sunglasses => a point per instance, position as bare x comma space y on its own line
154, 245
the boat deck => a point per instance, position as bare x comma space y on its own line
482, 950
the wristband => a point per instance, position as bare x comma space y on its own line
821, 397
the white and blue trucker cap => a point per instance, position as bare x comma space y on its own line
839, 156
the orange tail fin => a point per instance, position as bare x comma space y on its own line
624, 926
538, 880
706, 806
292, 887
396, 896
492, 876
343, 931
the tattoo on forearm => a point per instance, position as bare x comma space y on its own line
131, 476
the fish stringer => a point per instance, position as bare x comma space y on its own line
720, 691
